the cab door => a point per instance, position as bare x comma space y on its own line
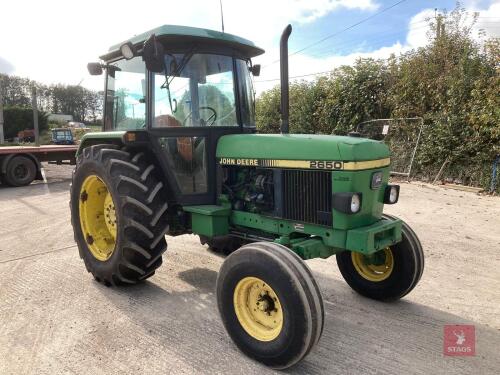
191, 109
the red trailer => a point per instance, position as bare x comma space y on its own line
20, 165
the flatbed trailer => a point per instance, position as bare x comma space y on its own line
20, 165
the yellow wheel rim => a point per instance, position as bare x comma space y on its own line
372, 271
258, 309
97, 217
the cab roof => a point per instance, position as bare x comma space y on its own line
186, 34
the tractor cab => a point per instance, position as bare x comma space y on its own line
186, 87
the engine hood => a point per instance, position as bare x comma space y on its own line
301, 147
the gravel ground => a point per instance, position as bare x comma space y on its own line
54, 319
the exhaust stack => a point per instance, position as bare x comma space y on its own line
285, 106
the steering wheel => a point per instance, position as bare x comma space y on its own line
230, 113
208, 122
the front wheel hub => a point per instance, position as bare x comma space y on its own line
376, 268
258, 309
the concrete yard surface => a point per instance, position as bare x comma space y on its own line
55, 319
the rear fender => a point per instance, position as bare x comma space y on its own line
92, 139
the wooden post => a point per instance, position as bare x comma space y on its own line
2, 139
438, 176
35, 116
438, 27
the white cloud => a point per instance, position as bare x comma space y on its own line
418, 29
5, 66
304, 11
488, 20
417, 36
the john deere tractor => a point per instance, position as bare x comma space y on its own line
179, 153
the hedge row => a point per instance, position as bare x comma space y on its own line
18, 118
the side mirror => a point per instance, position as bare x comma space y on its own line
153, 54
255, 70
95, 69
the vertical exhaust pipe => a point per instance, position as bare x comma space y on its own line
285, 105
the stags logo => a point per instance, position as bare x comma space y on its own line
459, 340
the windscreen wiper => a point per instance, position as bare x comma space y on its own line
177, 71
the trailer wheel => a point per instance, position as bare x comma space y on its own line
20, 171
389, 274
118, 213
270, 304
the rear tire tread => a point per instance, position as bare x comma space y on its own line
134, 247
158, 214
146, 172
139, 227
140, 199
141, 186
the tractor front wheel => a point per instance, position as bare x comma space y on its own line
389, 274
118, 213
270, 304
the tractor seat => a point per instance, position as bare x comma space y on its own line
166, 121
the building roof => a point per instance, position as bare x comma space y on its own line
176, 33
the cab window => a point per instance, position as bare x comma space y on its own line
247, 94
126, 95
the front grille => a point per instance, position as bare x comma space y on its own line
307, 196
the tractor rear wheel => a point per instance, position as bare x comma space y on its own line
389, 274
118, 213
270, 304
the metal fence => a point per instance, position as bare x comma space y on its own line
401, 135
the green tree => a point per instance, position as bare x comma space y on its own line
83, 104
17, 118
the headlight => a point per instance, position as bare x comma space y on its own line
355, 203
391, 194
348, 203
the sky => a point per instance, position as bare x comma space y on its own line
51, 41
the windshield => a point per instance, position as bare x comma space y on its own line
199, 90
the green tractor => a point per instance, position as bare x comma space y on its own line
179, 154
